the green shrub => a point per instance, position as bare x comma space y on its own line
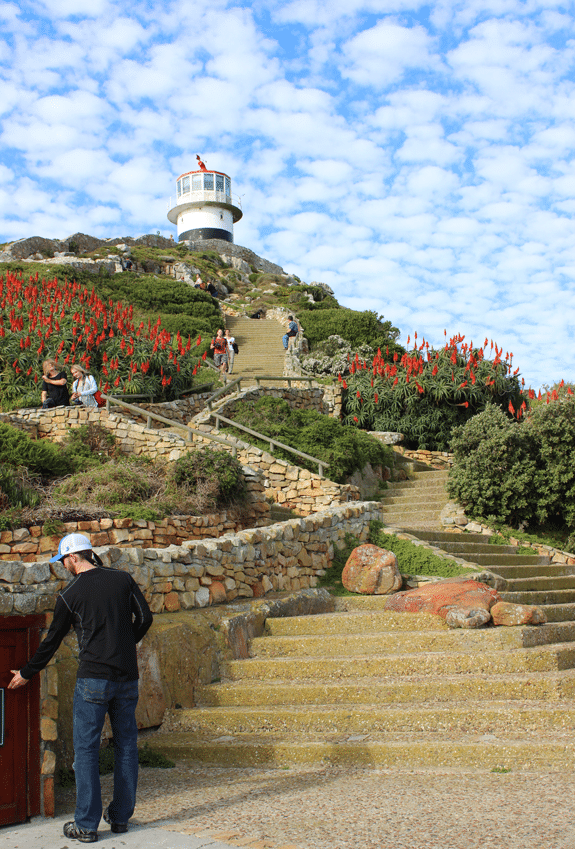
551, 429
495, 471
212, 468
425, 394
358, 328
16, 489
89, 445
346, 449
413, 559
17, 448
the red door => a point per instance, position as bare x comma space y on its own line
19, 722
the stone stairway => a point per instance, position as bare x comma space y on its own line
368, 687
531, 579
260, 344
417, 502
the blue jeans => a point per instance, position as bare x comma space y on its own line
93, 698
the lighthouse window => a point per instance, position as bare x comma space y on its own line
179, 187
219, 183
208, 182
186, 185
197, 183
228, 186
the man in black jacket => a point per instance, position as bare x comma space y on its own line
110, 615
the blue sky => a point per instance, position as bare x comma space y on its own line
419, 159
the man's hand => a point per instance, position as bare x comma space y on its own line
17, 680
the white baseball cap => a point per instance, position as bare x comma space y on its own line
70, 544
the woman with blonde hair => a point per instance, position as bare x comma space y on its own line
54, 386
84, 386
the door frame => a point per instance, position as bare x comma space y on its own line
29, 704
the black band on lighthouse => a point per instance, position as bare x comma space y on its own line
205, 233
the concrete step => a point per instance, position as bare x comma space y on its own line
386, 751
438, 537
540, 597
538, 659
542, 582
419, 500
460, 544
494, 560
379, 690
404, 517
473, 717
560, 612
409, 642
358, 620
522, 571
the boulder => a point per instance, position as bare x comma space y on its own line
506, 613
25, 248
462, 598
371, 570
81, 243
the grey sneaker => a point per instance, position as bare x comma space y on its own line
74, 832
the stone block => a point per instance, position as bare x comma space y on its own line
24, 603
48, 763
48, 729
172, 602
11, 572
20, 534
100, 539
202, 597
118, 535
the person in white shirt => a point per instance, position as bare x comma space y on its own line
231, 353
84, 387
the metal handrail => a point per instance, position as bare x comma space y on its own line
321, 463
189, 431
223, 390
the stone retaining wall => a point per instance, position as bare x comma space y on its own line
30, 544
288, 555
298, 489
437, 459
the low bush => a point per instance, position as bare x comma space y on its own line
517, 474
17, 449
358, 328
346, 449
200, 482
411, 559
213, 469
425, 393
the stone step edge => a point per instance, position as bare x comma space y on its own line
346, 749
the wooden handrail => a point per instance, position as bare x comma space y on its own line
321, 463
155, 417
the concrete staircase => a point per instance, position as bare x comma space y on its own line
416, 503
260, 344
531, 579
368, 687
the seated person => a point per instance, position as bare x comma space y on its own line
54, 386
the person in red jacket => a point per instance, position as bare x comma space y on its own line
110, 616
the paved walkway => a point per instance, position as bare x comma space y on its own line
326, 808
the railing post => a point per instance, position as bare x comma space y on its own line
234, 451
320, 470
217, 424
149, 422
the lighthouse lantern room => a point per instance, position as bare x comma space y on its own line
204, 207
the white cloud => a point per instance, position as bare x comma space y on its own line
380, 55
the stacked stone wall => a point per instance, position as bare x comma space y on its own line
295, 488
289, 555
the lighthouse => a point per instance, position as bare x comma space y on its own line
204, 207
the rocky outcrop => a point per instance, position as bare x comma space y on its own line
227, 250
459, 599
507, 613
371, 570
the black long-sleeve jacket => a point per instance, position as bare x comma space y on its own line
110, 615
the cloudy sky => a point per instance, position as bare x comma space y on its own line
417, 158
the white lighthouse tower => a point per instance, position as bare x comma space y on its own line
204, 205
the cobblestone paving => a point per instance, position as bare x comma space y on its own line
325, 808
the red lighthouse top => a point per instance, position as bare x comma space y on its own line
200, 163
